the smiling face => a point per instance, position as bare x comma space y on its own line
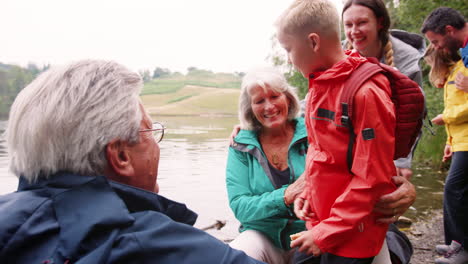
362, 30
270, 108
446, 42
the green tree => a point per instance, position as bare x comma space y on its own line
145, 75
160, 72
410, 14
12, 80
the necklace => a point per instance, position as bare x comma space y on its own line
275, 159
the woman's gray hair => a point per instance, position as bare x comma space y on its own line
267, 78
64, 119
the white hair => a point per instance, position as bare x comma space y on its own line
267, 78
64, 119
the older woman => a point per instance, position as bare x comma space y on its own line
264, 168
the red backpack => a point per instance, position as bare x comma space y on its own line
406, 95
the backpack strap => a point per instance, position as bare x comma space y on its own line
357, 78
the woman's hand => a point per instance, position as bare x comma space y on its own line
294, 190
394, 204
461, 82
235, 131
438, 120
447, 153
306, 243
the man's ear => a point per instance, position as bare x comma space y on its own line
118, 157
449, 30
314, 41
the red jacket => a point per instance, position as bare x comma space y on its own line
343, 202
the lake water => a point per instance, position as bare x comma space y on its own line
192, 171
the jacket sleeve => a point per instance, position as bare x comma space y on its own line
246, 204
456, 114
372, 167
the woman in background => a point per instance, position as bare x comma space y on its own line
444, 70
367, 28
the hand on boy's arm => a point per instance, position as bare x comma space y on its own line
461, 82
404, 172
302, 209
438, 120
294, 190
305, 243
447, 153
396, 203
235, 131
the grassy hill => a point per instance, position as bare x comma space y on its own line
197, 93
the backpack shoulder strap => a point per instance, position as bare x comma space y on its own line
363, 73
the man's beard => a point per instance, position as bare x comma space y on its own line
452, 44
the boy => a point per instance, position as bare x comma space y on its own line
342, 227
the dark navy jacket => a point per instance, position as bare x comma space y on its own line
82, 219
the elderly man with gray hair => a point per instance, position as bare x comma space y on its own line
86, 154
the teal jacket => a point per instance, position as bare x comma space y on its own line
253, 197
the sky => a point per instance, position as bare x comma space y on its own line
217, 35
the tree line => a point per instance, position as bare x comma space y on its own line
12, 79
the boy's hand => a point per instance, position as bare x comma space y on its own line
235, 131
394, 204
461, 82
447, 153
302, 209
306, 243
438, 120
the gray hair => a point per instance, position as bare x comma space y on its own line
64, 119
267, 78
307, 16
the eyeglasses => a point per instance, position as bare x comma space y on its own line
157, 130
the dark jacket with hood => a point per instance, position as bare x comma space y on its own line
86, 219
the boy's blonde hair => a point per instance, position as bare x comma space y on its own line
310, 16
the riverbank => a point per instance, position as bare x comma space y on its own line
424, 235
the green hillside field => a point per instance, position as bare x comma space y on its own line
199, 93
193, 100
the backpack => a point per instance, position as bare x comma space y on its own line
407, 97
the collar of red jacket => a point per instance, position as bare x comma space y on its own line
340, 70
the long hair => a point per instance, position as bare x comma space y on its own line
440, 61
63, 120
381, 13
267, 78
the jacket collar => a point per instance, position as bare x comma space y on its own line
340, 70
249, 137
134, 199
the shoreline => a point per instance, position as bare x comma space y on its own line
424, 236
